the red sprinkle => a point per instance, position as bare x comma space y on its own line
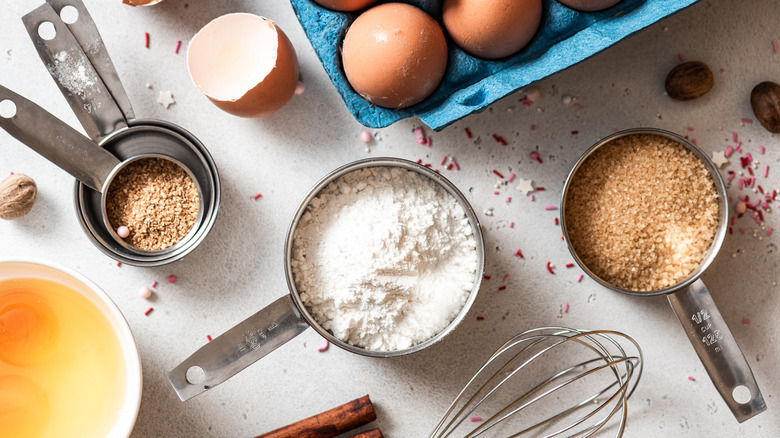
480, 318
774, 46
519, 253
208, 337
257, 196
486, 277
539, 189
502, 288
118, 264
468, 133
578, 106
569, 265
498, 174
575, 132
146, 39
499, 139
535, 156
746, 120
679, 55
745, 321
506, 277
149, 311
549, 268
171, 279
556, 221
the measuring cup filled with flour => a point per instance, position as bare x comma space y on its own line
645, 213
384, 257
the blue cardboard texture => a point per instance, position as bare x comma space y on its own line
470, 84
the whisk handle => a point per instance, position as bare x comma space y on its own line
718, 350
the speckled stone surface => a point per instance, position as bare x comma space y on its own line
239, 267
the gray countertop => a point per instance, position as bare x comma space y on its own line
238, 269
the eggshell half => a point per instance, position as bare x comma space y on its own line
140, 2
394, 55
345, 5
492, 29
243, 63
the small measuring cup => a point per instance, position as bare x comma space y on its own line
287, 317
70, 46
690, 299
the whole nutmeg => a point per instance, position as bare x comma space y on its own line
765, 100
18, 193
689, 80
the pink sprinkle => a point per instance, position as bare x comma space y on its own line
443, 159
428, 141
731, 176
551, 207
566, 308
690, 128
154, 283
769, 231
506, 277
495, 192
734, 136
149, 311
178, 45
766, 170
746, 120
535, 156
365, 136
508, 199
729, 150
324, 346
679, 55
533, 127
171, 279
476, 418
455, 164
208, 337
419, 135
531, 197
300, 87
691, 378
257, 196
578, 106
742, 231
511, 224
745, 321
519, 253
579, 278
511, 177
774, 46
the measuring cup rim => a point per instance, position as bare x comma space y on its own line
442, 182
720, 188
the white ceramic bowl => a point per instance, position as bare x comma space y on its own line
36, 268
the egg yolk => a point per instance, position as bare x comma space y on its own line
24, 408
28, 329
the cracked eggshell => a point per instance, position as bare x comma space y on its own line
492, 29
394, 55
140, 2
244, 64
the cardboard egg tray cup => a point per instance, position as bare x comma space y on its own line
470, 84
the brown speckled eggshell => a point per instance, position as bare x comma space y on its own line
345, 5
492, 29
394, 55
589, 5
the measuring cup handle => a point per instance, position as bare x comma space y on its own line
718, 350
237, 348
57, 142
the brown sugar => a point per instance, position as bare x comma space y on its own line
642, 212
156, 200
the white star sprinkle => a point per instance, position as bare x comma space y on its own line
719, 159
525, 185
165, 99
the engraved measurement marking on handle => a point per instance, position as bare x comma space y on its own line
252, 340
710, 336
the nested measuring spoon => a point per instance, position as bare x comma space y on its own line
692, 303
70, 46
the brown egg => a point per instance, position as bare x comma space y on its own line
394, 55
492, 29
244, 64
589, 5
345, 5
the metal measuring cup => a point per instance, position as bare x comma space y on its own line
690, 299
75, 56
287, 317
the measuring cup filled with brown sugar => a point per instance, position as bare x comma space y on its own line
147, 191
644, 212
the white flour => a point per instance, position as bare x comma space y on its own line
384, 258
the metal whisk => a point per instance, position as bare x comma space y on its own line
586, 380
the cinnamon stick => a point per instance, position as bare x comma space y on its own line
373, 433
330, 423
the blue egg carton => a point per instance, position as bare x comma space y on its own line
470, 84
